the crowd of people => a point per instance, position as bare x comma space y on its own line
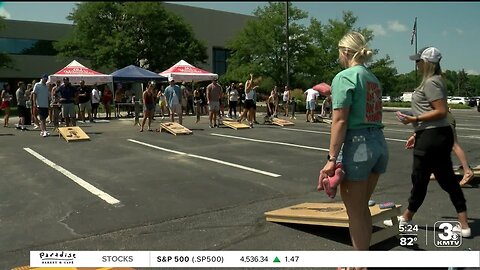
358, 153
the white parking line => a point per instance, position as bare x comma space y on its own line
95, 191
271, 142
328, 133
208, 159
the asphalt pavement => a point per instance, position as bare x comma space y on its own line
205, 191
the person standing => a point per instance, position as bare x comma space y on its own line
458, 150
214, 94
6, 98
286, 100
41, 99
56, 106
68, 95
21, 105
357, 142
84, 99
95, 100
232, 101
149, 105
432, 141
107, 99
311, 102
173, 93
249, 102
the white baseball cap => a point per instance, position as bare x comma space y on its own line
430, 54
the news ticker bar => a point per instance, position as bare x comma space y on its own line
254, 258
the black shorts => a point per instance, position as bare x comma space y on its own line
43, 113
249, 104
22, 111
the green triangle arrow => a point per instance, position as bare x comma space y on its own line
277, 260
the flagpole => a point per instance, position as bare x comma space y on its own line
416, 33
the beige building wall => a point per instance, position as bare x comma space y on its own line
214, 28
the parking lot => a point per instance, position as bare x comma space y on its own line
126, 190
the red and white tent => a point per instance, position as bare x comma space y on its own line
183, 71
77, 72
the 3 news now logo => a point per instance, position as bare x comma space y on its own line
57, 258
445, 236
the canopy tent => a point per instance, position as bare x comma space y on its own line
77, 72
183, 71
133, 73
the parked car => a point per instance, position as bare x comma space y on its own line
457, 100
386, 99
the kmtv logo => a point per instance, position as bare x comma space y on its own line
445, 236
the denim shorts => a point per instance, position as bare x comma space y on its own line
364, 151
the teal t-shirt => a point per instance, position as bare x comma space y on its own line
358, 88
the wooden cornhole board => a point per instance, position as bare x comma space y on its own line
227, 119
235, 125
72, 134
476, 171
175, 128
335, 214
459, 171
282, 122
323, 120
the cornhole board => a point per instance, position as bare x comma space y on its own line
235, 125
282, 122
335, 214
458, 171
325, 120
227, 119
175, 128
72, 134
476, 171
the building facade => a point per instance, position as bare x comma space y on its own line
30, 44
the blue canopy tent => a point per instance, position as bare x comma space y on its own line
133, 73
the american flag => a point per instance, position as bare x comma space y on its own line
414, 32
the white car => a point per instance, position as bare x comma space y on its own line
457, 100
386, 99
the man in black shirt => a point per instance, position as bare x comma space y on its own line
68, 94
84, 100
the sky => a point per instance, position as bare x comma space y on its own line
452, 27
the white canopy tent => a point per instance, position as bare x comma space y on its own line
77, 72
183, 71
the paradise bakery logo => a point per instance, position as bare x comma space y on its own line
57, 258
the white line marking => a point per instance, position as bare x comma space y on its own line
328, 133
208, 159
271, 142
95, 191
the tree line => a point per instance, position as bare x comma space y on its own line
112, 35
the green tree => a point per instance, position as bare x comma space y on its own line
117, 34
322, 64
387, 75
5, 60
260, 48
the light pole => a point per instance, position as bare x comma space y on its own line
288, 58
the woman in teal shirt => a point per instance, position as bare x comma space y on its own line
357, 143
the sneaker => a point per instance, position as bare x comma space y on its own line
210, 126
35, 126
18, 127
401, 221
464, 232
24, 128
251, 125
